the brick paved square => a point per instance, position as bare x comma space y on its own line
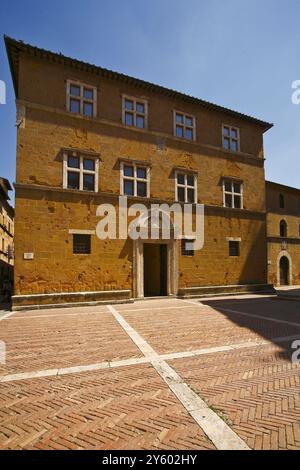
250, 382
63, 338
130, 408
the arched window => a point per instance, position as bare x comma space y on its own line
283, 228
281, 201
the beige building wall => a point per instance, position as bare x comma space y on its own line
45, 212
6, 238
287, 246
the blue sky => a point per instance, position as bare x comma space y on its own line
242, 54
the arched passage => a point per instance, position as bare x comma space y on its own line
284, 254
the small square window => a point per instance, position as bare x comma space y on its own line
186, 248
234, 248
81, 244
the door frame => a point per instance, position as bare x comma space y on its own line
138, 266
282, 254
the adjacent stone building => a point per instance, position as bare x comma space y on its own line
6, 240
87, 135
283, 234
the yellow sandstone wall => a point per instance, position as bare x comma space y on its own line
45, 214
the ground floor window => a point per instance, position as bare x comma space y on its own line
186, 248
81, 244
234, 248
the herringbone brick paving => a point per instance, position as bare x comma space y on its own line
194, 327
255, 390
45, 342
124, 409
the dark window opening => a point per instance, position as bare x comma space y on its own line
186, 248
234, 248
81, 244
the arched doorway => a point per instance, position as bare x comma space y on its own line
156, 259
284, 271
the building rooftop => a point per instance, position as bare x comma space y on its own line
283, 187
14, 48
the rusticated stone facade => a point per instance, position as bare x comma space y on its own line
283, 230
48, 214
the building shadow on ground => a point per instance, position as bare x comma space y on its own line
255, 314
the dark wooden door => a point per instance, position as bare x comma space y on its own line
284, 271
163, 270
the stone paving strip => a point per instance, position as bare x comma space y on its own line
222, 436
141, 360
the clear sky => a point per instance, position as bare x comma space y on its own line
242, 54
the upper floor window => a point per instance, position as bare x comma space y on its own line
134, 112
186, 187
81, 99
135, 180
283, 228
80, 172
233, 194
184, 126
231, 138
281, 201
